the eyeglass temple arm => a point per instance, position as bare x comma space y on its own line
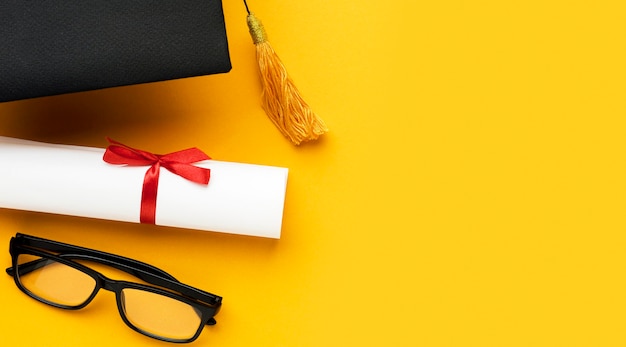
27, 267
39, 263
116, 261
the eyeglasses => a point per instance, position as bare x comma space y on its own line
56, 273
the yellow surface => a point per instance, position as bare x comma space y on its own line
471, 191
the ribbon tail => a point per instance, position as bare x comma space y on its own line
189, 172
147, 213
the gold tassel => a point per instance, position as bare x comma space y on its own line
281, 99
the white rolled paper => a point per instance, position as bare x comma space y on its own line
240, 198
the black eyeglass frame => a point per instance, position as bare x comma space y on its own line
204, 302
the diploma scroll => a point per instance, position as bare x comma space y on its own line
244, 199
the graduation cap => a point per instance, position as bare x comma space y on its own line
58, 47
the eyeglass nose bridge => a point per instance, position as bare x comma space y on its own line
116, 287
102, 282
109, 284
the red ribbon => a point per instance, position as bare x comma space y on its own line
178, 163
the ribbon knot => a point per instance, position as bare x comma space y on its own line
178, 163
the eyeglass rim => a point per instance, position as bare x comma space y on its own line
27, 244
87, 271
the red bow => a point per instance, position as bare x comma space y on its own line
178, 163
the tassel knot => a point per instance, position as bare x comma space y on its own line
257, 31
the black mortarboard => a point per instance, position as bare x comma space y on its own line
58, 47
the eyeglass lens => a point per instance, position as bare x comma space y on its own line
54, 282
160, 315
151, 313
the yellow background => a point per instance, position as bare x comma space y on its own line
471, 191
